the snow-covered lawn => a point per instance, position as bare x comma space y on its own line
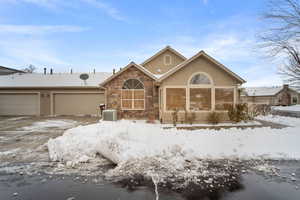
126, 140
295, 108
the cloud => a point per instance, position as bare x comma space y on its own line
32, 30
20, 52
57, 4
107, 8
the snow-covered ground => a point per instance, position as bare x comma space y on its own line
295, 108
124, 140
48, 124
289, 121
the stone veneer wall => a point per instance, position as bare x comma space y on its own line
113, 95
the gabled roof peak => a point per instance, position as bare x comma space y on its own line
200, 53
168, 47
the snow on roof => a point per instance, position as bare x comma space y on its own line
52, 80
262, 91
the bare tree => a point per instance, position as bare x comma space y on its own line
282, 36
30, 69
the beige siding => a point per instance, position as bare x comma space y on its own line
221, 79
201, 64
77, 104
158, 66
19, 104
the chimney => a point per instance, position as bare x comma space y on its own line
120, 68
114, 71
71, 71
45, 70
285, 86
51, 71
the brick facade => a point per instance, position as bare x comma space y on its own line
113, 95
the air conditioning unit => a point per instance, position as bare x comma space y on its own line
109, 115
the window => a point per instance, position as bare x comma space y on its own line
200, 88
200, 99
223, 97
175, 98
133, 95
167, 60
199, 79
295, 100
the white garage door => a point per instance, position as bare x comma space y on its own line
19, 104
77, 103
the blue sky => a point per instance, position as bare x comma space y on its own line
107, 34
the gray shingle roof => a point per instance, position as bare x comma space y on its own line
54, 80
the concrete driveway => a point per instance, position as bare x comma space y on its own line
22, 139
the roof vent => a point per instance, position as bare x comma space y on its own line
84, 77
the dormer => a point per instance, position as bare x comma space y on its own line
163, 61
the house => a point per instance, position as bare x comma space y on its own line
51, 94
168, 81
6, 71
165, 82
280, 95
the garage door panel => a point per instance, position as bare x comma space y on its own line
19, 104
77, 104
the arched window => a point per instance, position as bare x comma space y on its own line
200, 92
133, 95
133, 84
200, 79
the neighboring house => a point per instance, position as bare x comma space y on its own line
51, 94
7, 71
168, 81
281, 95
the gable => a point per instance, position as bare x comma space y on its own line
134, 70
200, 64
214, 63
163, 61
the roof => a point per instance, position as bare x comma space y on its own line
262, 91
201, 53
131, 64
7, 70
39, 80
161, 52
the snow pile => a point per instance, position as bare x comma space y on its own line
180, 159
125, 140
48, 124
294, 108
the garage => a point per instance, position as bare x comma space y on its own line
77, 103
19, 104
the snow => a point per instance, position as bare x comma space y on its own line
48, 124
124, 140
294, 108
263, 91
54, 80
289, 121
239, 124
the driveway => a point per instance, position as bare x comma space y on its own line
22, 139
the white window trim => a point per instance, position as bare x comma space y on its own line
132, 99
187, 103
234, 96
206, 86
165, 60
